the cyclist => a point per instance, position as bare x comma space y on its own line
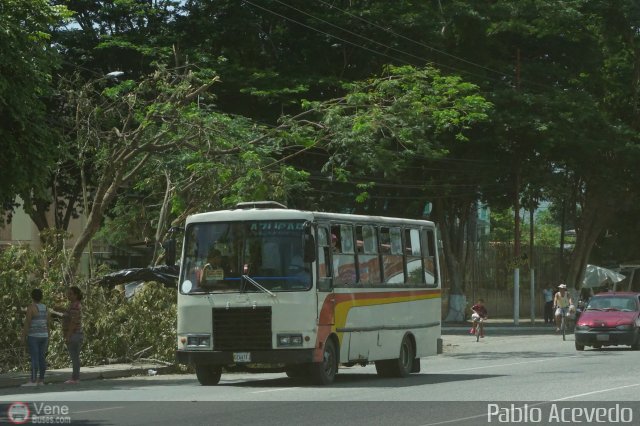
561, 302
479, 312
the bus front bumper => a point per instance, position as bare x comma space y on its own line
282, 356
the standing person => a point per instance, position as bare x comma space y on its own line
72, 331
35, 334
548, 305
479, 313
561, 302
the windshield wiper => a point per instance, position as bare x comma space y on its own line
258, 285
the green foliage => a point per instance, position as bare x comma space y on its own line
16, 283
392, 129
28, 59
121, 329
546, 231
115, 328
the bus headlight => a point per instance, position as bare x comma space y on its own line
199, 341
289, 340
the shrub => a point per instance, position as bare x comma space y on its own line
115, 328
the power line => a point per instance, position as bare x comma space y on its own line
385, 183
322, 32
412, 40
367, 48
442, 52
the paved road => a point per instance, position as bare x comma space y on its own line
499, 370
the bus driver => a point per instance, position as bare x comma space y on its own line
213, 270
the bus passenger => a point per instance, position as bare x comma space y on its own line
335, 248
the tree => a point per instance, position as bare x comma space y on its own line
120, 129
25, 75
385, 140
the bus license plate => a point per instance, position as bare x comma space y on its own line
242, 357
602, 337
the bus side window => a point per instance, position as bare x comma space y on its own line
429, 257
344, 266
368, 260
324, 265
415, 274
392, 257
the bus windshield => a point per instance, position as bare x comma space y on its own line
226, 256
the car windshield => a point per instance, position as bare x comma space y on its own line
613, 303
228, 256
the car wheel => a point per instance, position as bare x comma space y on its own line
636, 341
579, 347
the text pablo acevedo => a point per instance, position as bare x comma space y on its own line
554, 413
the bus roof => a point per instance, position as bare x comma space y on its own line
253, 213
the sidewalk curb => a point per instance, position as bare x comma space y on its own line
16, 379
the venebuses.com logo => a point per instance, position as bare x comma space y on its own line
18, 413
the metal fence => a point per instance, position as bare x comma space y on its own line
490, 275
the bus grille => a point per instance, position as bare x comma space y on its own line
242, 329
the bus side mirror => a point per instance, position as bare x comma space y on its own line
309, 248
169, 247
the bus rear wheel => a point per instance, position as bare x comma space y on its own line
208, 375
400, 367
324, 372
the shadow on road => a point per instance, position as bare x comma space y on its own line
354, 380
511, 355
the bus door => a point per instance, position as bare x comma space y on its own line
324, 282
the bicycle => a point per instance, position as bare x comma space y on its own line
479, 329
565, 314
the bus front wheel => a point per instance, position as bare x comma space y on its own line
296, 371
208, 375
324, 372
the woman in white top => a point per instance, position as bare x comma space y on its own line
36, 335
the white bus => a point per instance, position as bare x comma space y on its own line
270, 287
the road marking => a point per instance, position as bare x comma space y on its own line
506, 365
598, 391
97, 409
461, 419
275, 390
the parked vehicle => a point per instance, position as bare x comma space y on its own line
610, 319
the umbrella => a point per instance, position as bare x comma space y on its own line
597, 276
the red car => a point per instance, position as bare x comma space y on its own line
610, 319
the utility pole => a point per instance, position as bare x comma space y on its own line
531, 267
516, 254
516, 249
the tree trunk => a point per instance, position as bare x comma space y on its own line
596, 214
452, 232
103, 198
160, 230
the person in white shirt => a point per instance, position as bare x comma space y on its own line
561, 302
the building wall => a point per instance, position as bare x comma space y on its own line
23, 231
